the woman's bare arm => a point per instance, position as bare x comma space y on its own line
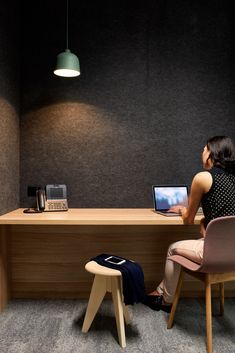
201, 184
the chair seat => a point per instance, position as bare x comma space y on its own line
183, 261
97, 269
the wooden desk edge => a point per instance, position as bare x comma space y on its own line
92, 216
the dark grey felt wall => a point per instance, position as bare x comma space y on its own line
9, 107
156, 81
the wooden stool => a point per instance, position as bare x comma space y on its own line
106, 280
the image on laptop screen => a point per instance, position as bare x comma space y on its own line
166, 196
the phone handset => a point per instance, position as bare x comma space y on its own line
40, 199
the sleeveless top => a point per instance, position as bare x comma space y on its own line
219, 201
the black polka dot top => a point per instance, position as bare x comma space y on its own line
219, 201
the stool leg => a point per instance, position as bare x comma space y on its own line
118, 308
97, 294
125, 307
126, 314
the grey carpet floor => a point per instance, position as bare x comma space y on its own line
47, 326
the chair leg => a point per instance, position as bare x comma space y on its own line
175, 301
208, 315
221, 287
118, 308
97, 294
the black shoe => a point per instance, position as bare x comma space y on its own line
154, 302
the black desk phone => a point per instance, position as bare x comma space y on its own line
52, 198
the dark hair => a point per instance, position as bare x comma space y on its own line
222, 152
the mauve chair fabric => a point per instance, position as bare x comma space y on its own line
219, 248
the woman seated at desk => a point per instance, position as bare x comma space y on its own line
214, 189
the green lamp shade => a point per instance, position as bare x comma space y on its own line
67, 64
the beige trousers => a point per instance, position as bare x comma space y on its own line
193, 250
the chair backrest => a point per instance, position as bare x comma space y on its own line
219, 247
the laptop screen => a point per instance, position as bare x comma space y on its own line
166, 196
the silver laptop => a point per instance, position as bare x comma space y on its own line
166, 196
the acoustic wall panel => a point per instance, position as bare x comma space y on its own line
155, 84
9, 107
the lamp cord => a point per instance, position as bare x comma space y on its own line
67, 24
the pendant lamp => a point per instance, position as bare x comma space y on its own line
67, 64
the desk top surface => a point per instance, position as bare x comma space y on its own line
93, 216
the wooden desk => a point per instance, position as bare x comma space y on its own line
43, 255
92, 216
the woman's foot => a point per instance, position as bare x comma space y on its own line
156, 302
155, 293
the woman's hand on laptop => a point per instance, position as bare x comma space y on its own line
178, 209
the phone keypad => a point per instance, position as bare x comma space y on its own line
57, 205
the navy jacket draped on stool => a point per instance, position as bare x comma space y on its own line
132, 278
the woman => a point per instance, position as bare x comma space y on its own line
214, 189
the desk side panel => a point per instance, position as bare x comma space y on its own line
4, 266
